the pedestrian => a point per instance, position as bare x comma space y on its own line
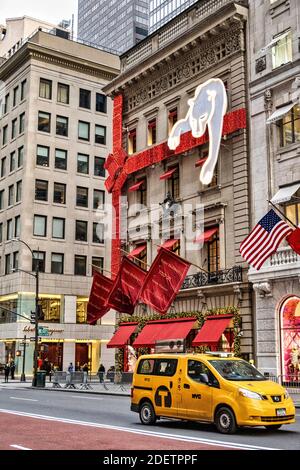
70, 368
85, 370
6, 372
101, 372
12, 370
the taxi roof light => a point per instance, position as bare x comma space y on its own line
220, 353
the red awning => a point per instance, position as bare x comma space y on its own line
200, 162
137, 251
122, 335
136, 186
212, 329
206, 236
168, 174
164, 330
170, 244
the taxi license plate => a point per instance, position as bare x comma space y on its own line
281, 412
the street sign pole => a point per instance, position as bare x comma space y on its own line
23, 378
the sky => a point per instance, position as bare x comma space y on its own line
52, 12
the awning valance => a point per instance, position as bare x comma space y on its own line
200, 162
137, 186
212, 330
122, 335
274, 41
280, 112
206, 236
159, 330
167, 175
285, 194
137, 251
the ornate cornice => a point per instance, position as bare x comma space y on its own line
200, 58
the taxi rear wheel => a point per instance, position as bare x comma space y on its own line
147, 413
273, 427
225, 421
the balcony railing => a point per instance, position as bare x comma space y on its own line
284, 256
223, 276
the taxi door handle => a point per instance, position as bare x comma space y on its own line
186, 386
171, 384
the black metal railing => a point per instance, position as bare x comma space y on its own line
223, 276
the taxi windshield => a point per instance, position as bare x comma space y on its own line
236, 370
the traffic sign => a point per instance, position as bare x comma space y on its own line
32, 339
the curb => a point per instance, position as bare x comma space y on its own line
81, 391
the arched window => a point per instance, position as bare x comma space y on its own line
290, 338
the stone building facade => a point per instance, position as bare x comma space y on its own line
274, 68
158, 77
55, 135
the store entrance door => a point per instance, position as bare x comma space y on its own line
81, 355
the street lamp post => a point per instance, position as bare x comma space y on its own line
23, 379
36, 335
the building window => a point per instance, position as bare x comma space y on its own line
172, 119
97, 264
132, 141
84, 98
63, 93
290, 127
23, 89
1, 232
282, 51
59, 193
12, 165
98, 233
15, 260
58, 228
39, 258
21, 123
151, 132
42, 155
6, 104
81, 230
99, 199
14, 128
292, 212
40, 226
4, 135
80, 265
44, 122
9, 229
41, 190
82, 196
3, 167
99, 169
60, 159
17, 226
8, 266
213, 254
81, 311
15, 96
173, 184
100, 135
20, 156
57, 263
83, 130
45, 89
19, 191
142, 193
2, 199
50, 312
101, 103
290, 339
62, 124
82, 163
11, 195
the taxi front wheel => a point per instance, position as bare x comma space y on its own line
225, 421
147, 413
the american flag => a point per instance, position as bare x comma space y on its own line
264, 239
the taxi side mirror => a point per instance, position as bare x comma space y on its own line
204, 379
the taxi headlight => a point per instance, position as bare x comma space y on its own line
248, 394
286, 395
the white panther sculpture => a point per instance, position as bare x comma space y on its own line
207, 108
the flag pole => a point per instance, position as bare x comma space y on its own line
192, 264
134, 257
283, 215
100, 269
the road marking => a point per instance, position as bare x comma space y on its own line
176, 437
16, 446
20, 398
86, 398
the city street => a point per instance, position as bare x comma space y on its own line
40, 419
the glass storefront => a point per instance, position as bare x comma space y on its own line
81, 309
290, 338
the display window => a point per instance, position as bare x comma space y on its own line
290, 338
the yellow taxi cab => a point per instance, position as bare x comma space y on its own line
214, 387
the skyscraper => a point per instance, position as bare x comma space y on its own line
162, 11
113, 24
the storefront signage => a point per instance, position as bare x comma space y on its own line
51, 331
43, 331
206, 109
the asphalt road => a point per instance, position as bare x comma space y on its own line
69, 420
